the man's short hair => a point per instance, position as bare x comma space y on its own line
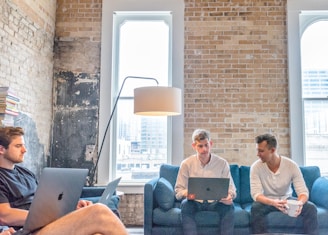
269, 138
8, 133
200, 134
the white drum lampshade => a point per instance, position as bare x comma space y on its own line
157, 101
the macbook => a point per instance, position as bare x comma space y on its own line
207, 188
109, 191
57, 194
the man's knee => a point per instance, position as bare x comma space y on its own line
102, 213
310, 208
256, 206
225, 209
188, 207
98, 209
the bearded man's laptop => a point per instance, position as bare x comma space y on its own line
57, 194
109, 191
207, 188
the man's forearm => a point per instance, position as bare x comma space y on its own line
14, 217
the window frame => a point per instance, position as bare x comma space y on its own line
119, 18
295, 28
105, 104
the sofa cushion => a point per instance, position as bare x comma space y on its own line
170, 217
164, 194
241, 216
310, 174
234, 170
245, 189
322, 217
320, 188
169, 172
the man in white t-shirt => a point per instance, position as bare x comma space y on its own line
271, 178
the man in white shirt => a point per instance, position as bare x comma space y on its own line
271, 178
204, 164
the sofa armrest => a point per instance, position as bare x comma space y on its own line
149, 205
319, 189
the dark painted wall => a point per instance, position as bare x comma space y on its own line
75, 120
35, 157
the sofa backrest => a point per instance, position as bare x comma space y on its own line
310, 174
234, 170
240, 175
245, 187
169, 172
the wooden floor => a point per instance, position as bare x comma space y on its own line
135, 231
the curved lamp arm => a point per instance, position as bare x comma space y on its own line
93, 170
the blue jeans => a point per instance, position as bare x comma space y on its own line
189, 208
259, 212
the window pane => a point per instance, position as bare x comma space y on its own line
314, 54
316, 133
143, 51
141, 143
315, 83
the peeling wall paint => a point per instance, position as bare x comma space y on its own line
75, 119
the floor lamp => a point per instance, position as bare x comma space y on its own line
148, 101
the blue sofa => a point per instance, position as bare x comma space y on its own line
162, 210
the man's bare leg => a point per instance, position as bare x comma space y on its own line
93, 219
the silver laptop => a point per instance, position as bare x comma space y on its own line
57, 194
207, 188
109, 191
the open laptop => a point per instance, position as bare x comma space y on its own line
109, 191
57, 194
207, 188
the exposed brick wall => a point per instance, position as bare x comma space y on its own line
236, 81
26, 63
40, 12
131, 209
79, 19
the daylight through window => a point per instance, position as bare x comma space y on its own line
142, 42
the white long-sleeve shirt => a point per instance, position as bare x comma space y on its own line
192, 167
276, 185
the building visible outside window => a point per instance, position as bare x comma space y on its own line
142, 47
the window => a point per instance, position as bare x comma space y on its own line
314, 57
308, 82
120, 18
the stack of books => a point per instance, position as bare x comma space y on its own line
8, 106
